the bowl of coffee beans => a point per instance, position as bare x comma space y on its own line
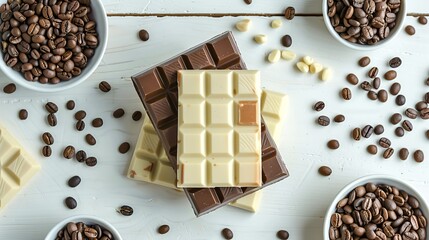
377, 207
83, 228
364, 24
51, 45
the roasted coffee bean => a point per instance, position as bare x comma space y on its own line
46, 151
318, 106
390, 75
346, 94
90, 139
364, 61
356, 134
367, 131
323, 121
80, 125
71, 203
372, 95
407, 125
400, 100
248, 2
137, 115
69, 152
395, 88
384, 142
372, 149
120, 112
411, 113
352, 79
143, 35
125, 210
395, 62
48, 138
373, 72
399, 131
80, 156
382, 95
9, 88
124, 147
97, 122
325, 171
379, 129
286, 41
52, 119
51, 107
339, 118
163, 229
283, 235
376, 82
424, 113
336, 220
91, 161
79, 115
418, 156
90, 232
422, 20
410, 30
74, 181
365, 85
421, 105
104, 86
23, 114
395, 118
333, 144
289, 13
388, 153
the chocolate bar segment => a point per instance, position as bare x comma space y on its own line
217, 57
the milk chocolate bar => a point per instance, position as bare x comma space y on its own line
157, 89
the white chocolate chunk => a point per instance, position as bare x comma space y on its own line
274, 56
316, 68
243, 25
288, 55
302, 67
326, 74
276, 23
250, 202
260, 38
308, 60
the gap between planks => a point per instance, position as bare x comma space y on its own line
218, 15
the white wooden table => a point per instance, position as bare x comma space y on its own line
296, 204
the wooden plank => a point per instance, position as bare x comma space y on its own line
297, 204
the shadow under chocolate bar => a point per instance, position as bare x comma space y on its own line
157, 89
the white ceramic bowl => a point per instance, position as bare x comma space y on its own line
100, 17
377, 179
88, 220
400, 19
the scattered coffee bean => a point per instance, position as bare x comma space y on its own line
400, 100
283, 234
410, 30
422, 20
390, 75
356, 134
395, 118
163, 229
407, 125
51, 107
144, 35
79, 115
71, 203
395, 88
47, 138
9, 88
80, 156
90, 139
69, 152
23, 114
388, 153
227, 233
52, 119
346, 94
367, 131
379, 129
80, 125
323, 120
426, 97
418, 156
319, 106
137, 115
427, 133
104, 86
421, 105
411, 113
70, 105
120, 112
365, 85
395, 62
384, 142
382, 95
424, 113
403, 153
339, 118
248, 2
372, 149
376, 83
91, 161
286, 41
373, 72
125, 210
74, 181
46, 151
333, 144
399, 131
372, 95
289, 13
325, 171
97, 122
124, 147
364, 61
352, 79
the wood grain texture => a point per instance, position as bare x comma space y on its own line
297, 204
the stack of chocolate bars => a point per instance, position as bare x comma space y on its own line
208, 128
